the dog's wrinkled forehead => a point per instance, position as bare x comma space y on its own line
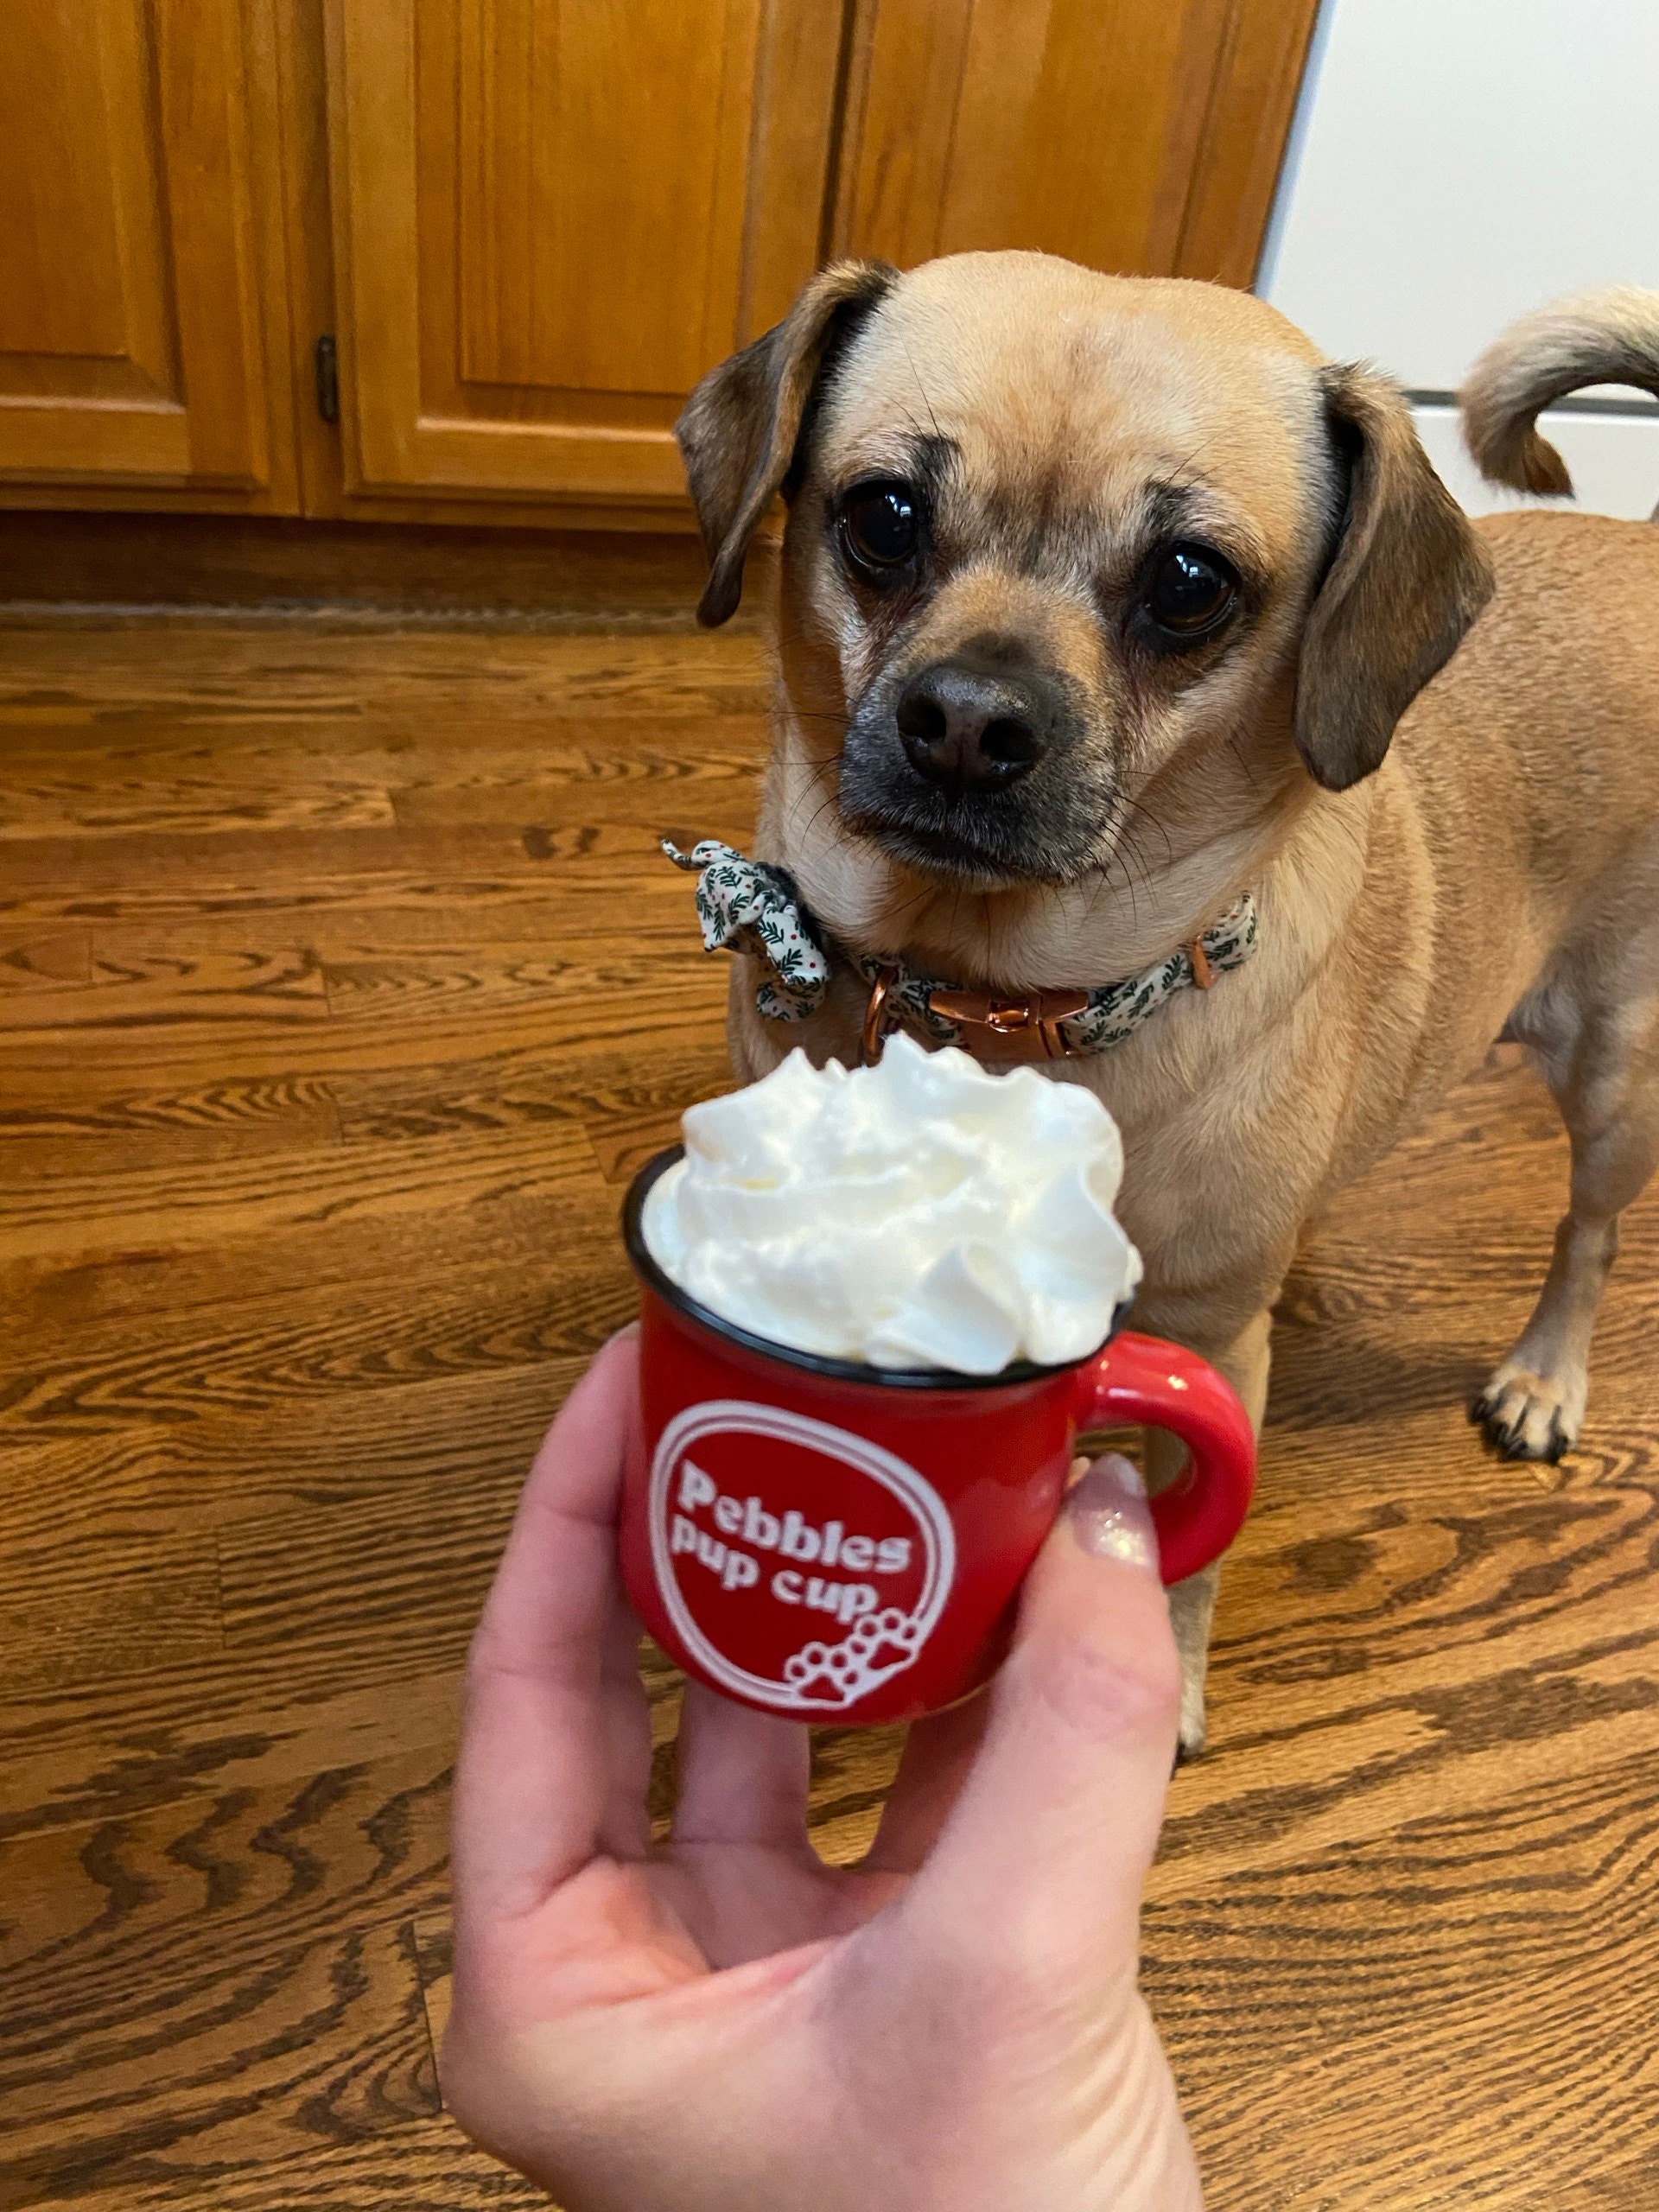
1044, 404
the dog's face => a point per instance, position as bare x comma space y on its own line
1053, 535
1051, 559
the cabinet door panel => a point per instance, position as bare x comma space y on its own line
1135, 138
552, 215
132, 338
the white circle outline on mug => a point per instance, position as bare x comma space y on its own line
744, 1417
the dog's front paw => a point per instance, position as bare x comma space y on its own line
1192, 1605
1531, 1417
1194, 1729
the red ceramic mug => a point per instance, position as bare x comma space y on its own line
841, 1542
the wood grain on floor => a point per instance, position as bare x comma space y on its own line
340, 989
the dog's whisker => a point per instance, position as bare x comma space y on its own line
922, 388
1127, 850
1179, 475
1133, 846
1136, 811
1239, 754
826, 800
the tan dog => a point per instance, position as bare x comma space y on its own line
1104, 600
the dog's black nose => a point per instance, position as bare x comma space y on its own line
970, 728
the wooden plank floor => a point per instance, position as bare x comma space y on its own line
340, 989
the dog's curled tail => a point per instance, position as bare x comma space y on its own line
1608, 337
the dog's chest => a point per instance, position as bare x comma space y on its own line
1217, 1172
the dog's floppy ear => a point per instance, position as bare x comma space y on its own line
1405, 579
739, 428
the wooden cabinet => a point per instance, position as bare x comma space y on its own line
551, 216
143, 332
1133, 136
529, 225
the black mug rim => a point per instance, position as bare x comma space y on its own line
812, 1362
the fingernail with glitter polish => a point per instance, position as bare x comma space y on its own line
1109, 1515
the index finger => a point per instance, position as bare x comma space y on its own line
533, 1778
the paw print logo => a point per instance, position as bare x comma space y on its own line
876, 1647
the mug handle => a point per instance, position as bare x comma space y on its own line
1142, 1379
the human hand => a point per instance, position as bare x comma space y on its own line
725, 2024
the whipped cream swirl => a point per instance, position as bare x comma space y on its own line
923, 1212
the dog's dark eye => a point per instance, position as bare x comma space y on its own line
881, 525
1193, 590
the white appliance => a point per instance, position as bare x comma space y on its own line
1454, 163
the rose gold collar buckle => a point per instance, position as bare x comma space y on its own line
1024, 1027
878, 1020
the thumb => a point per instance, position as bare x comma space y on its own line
1046, 1848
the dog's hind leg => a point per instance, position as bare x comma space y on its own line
1597, 1046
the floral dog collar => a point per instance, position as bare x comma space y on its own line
753, 907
